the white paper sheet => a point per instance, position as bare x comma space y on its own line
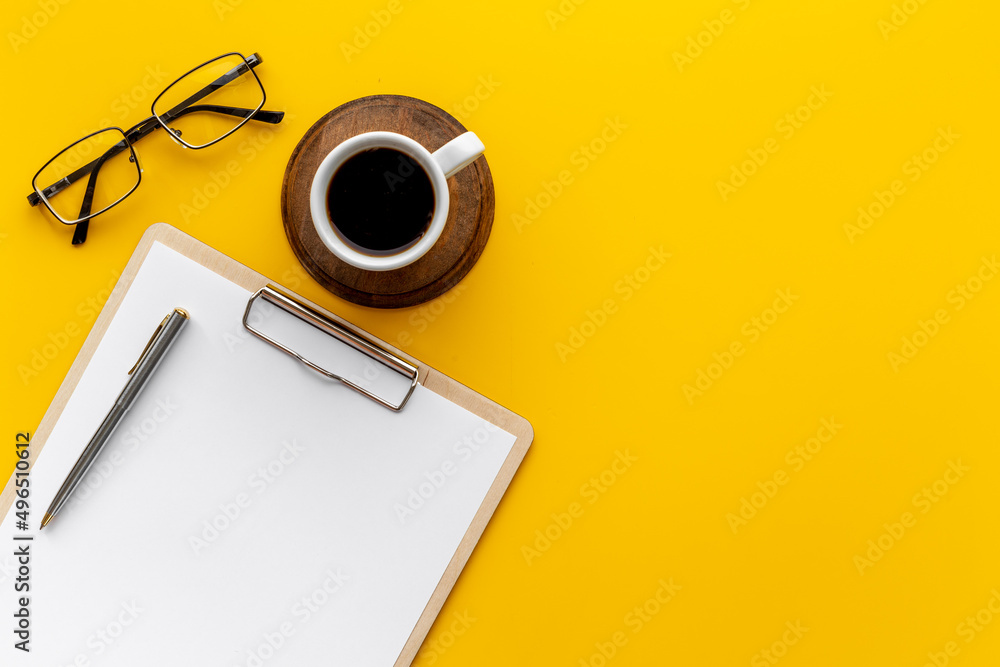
247, 512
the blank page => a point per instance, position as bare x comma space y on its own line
247, 512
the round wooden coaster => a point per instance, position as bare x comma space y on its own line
470, 215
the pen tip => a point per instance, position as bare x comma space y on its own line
45, 520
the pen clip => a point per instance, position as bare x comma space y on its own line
149, 344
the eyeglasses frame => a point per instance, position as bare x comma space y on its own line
144, 128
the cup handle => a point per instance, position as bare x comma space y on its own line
458, 153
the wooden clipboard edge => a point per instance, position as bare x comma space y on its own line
521, 429
83, 357
432, 379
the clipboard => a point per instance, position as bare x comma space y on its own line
412, 373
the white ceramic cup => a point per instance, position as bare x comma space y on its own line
439, 166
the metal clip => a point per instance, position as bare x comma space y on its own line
309, 315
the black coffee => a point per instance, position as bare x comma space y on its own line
380, 201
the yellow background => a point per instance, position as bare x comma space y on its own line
555, 86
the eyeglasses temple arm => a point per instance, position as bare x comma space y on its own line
146, 127
264, 116
80, 233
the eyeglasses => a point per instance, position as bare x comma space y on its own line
199, 109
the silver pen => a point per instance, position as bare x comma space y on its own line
151, 356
